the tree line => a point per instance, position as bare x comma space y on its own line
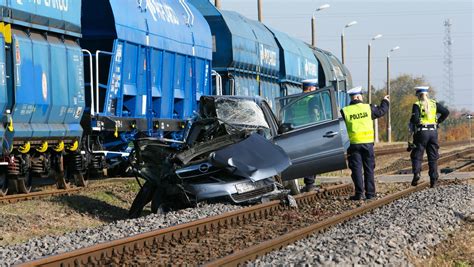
402, 98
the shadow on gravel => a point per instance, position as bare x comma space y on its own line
93, 208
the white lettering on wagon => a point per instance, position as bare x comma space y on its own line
61, 5
159, 11
267, 56
310, 68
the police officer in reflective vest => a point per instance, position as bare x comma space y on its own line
309, 85
360, 128
425, 121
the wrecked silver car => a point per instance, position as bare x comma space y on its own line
235, 148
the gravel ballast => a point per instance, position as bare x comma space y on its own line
385, 236
51, 245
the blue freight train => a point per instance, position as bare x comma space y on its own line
79, 81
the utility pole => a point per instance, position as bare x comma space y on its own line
369, 89
343, 47
313, 24
217, 3
389, 115
260, 17
470, 117
448, 64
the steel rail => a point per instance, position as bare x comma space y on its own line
95, 254
37, 195
59, 192
442, 160
261, 249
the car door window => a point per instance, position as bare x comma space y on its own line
310, 109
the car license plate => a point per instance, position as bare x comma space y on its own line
245, 187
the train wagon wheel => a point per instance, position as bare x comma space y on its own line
80, 179
60, 174
61, 179
21, 184
3, 184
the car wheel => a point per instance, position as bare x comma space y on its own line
293, 186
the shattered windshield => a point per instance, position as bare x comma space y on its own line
241, 113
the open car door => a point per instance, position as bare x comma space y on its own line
312, 134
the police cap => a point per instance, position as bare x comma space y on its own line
355, 91
422, 89
310, 82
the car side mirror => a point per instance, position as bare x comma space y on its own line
285, 127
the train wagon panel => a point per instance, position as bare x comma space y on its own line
75, 81
297, 62
245, 53
169, 65
61, 16
3, 95
59, 87
41, 86
24, 99
156, 59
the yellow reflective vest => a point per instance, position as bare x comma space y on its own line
427, 118
360, 128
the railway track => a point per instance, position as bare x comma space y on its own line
38, 195
442, 160
395, 149
158, 243
54, 192
256, 251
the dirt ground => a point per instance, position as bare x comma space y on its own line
457, 251
102, 202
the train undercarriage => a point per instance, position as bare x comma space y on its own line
37, 163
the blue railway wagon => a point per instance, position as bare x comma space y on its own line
42, 74
332, 72
152, 64
245, 53
297, 62
4, 145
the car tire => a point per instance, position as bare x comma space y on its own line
293, 186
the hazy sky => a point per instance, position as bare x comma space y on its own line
417, 26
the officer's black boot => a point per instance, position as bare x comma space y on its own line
433, 182
309, 188
355, 197
416, 178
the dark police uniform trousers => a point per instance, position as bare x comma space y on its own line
426, 139
361, 157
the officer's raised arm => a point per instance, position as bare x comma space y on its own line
379, 111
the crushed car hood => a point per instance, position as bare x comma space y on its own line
255, 158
